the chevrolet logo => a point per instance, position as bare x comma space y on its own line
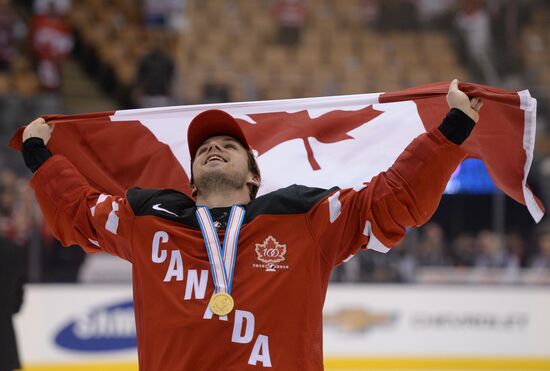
357, 319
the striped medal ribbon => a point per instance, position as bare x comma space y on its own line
222, 258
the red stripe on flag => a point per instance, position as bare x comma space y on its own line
114, 156
497, 138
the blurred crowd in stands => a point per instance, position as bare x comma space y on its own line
428, 247
170, 52
32, 53
166, 52
293, 48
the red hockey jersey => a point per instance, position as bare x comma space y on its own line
290, 241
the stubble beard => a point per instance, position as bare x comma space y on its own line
215, 181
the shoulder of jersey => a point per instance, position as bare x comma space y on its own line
159, 202
294, 199
174, 205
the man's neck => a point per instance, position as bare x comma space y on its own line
224, 199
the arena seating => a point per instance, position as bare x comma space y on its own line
236, 44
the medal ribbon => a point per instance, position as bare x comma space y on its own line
222, 258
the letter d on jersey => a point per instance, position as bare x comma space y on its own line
260, 351
240, 317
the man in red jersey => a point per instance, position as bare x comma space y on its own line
228, 281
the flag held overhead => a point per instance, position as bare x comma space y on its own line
323, 142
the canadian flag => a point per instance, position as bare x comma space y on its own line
322, 142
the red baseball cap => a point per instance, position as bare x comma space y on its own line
209, 124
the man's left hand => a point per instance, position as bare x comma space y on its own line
458, 99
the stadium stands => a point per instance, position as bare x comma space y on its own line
232, 50
337, 55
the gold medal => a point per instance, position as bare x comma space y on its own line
222, 259
221, 303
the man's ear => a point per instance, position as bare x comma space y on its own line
254, 180
193, 190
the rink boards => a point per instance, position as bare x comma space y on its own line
91, 327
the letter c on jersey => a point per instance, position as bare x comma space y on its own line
159, 237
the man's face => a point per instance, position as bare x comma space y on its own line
221, 162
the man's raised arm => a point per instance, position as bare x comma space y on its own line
377, 214
75, 212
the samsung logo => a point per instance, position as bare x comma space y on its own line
103, 329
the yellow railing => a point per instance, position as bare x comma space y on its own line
356, 364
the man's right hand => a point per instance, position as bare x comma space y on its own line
38, 129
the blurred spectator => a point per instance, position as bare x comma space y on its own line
492, 252
430, 250
474, 26
375, 268
19, 213
515, 246
41, 6
369, 13
11, 294
11, 30
543, 167
397, 266
215, 91
541, 260
464, 250
15, 220
165, 14
20, 102
21, 222
59, 264
4, 85
434, 14
508, 19
51, 41
7, 187
290, 17
154, 76
397, 15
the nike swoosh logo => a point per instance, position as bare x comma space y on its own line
157, 207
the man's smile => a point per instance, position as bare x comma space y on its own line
214, 158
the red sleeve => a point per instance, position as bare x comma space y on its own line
376, 214
79, 214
